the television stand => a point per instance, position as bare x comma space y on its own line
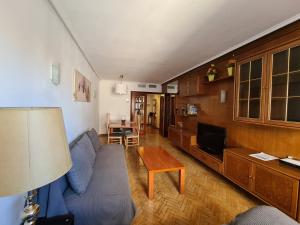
186, 140
213, 161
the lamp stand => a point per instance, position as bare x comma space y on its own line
31, 209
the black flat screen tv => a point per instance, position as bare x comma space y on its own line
211, 138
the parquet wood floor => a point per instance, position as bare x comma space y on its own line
209, 198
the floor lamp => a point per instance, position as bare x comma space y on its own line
34, 152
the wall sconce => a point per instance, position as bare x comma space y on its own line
223, 95
55, 73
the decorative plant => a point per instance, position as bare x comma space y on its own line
211, 72
230, 67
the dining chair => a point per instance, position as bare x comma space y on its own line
113, 130
133, 138
112, 138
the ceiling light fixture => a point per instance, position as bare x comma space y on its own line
121, 88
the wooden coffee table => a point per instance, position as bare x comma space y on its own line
157, 160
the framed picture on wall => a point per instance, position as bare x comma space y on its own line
82, 88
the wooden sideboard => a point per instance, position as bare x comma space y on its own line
273, 182
186, 141
182, 138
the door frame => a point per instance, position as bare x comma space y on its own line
132, 95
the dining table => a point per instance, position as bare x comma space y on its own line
118, 125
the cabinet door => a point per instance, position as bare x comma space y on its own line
249, 90
284, 86
186, 141
276, 188
174, 136
183, 87
238, 169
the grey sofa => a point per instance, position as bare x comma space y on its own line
107, 198
263, 215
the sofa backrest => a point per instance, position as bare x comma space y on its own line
50, 197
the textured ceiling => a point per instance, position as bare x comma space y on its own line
155, 40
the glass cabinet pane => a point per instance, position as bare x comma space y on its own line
254, 108
244, 90
295, 59
244, 71
256, 69
278, 109
255, 88
280, 62
243, 108
294, 84
279, 85
293, 113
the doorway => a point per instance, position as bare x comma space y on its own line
148, 106
153, 110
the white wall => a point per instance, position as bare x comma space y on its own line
32, 36
116, 105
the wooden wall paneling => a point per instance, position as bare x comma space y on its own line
277, 38
273, 140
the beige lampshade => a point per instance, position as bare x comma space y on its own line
33, 148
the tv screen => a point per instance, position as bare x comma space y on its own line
211, 138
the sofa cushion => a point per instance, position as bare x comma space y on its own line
81, 172
86, 143
94, 139
107, 200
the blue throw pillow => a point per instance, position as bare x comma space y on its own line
94, 138
81, 172
86, 144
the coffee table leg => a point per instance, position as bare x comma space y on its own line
181, 180
150, 185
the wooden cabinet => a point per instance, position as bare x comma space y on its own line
190, 85
273, 182
238, 169
213, 161
181, 138
276, 188
284, 86
268, 88
249, 89
174, 136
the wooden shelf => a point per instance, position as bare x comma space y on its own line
219, 79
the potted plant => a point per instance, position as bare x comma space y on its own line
211, 72
230, 67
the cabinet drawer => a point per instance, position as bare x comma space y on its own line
276, 189
206, 159
238, 169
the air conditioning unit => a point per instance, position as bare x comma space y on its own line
172, 88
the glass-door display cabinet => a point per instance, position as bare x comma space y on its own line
284, 86
267, 88
249, 94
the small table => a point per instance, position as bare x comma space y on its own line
156, 160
